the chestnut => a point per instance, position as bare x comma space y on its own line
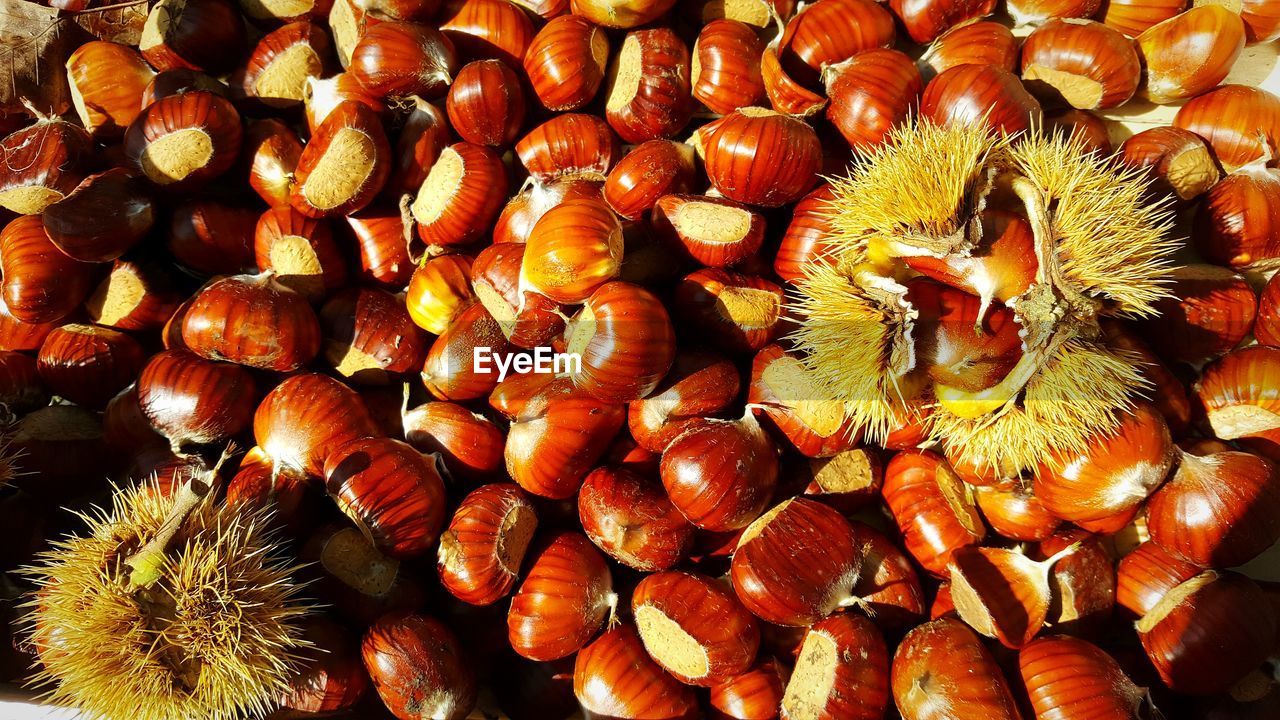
87, 364
871, 93
566, 595
333, 676
783, 391
283, 61
629, 516
649, 93
439, 289
384, 255
624, 341
44, 162
1069, 677
797, 563
306, 418
756, 693
652, 170
984, 42
489, 29
344, 165
943, 664
932, 507
1190, 53
40, 283
205, 35
461, 196
486, 103
195, 401
570, 145
744, 313
20, 386
829, 32
759, 157
925, 20
397, 59
252, 320
842, 671
103, 217
450, 371
1085, 63
575, 248
469, 444
483, 548
721, 474
392, 492
1177, 161
700, 384
982, 95
211, 237
565, 62
725, 70
106, 80
614, 677
417, 663
694, 627
180, 142
621, 13
423, 137
1211, 310
300, 252
1239, 122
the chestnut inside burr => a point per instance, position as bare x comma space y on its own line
343, 169
172, 157
670, 644
813, 679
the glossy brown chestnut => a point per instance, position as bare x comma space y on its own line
205, 35
283, 61
417, 664
700, 385
87, 364
43, 163
194, 401
797, 563
488, 29
1217, 510
979, 43
712, 231
760, 157
362, 583
1207, 633
1146, 575
300, 252
180, 80
783, 391
614, 677
461, 196
344, 165
305, 418
104, 216
55, 443
1003, 593
829, 32
1070, 678
1234, 223
942, 669
651, 170
1016, 513
566, 595
484, 546
624, 341
871, 93
1086, 64
1211, 310
725, 69
694, 627
786, 94
754, 695
252, 320
1177, 161
322, 96
566, 62
1132, 17
18, 336
486, 103
398, 59
41, 284
842, 671
391, 491
369, 338
621, 13
804, 242
648, 96
1113, 475
180, 142
1266, 326
575, 248
721, 474
526, 207
557, 436
570, 145
211, 237
925, 20
1238, 121
260, 485
932, 507
980, 95
384, 255
470, 445
438, 290
743, 313
1190, 53
106, 80
450, 371
423, 137
629, 516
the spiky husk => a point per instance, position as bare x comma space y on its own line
217, 637
1105, 251
915, 188
855, 353
1079, 393
1113, 242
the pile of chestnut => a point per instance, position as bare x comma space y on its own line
295, 226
